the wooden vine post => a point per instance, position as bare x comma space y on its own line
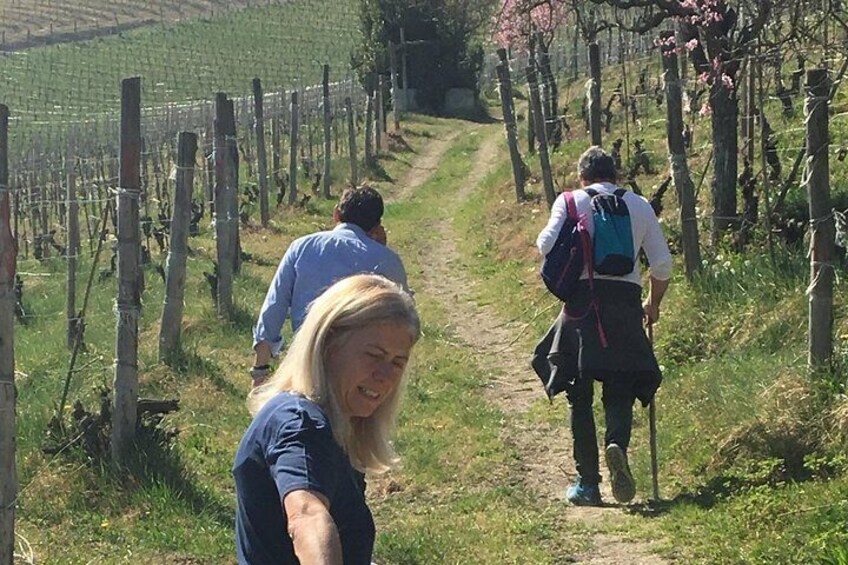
677, 155
544, 159
394, 84
822, 226
294, 125
327, 119
72, 252
354, 179
224, 216
8, 425
505, 91
595, 92
172, 309
531, 117
369, 120
125, 389
378, 115
231, 166
261, 153
276, 157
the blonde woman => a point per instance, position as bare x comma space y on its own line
322, 420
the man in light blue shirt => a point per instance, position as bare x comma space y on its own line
314, 262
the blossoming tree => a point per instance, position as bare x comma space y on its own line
717, 42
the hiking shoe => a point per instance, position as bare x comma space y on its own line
623, 486
580, 495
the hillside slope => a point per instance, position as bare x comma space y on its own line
26, 23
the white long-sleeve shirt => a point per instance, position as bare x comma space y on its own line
647, 233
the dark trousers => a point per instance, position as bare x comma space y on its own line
618, 398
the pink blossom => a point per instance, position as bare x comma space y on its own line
512, 26
705, 110
727, 81
692, 44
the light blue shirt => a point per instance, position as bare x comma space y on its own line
311, 264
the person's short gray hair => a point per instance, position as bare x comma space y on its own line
595, 164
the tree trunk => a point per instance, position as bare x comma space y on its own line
725, 122
677, 156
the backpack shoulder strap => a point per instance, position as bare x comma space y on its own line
591, 192
572, 206
620, 192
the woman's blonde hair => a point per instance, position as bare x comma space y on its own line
348, 305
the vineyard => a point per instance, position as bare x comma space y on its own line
26, 23
752, 464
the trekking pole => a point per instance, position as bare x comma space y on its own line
652, 417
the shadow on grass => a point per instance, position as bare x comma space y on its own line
706, 496
257, 260
240, 321
152, 461
155, 462
187, 362
478, 115
376, 171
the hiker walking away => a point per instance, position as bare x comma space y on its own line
325, 418
357, 244
599, 334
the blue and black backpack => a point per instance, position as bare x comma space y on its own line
572, 250
612, 242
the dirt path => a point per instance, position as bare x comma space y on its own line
513, 387
423, 166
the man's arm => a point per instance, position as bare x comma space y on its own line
651, 305
312, 530
548, 236
267, 341
660, 261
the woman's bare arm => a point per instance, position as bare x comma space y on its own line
312, 529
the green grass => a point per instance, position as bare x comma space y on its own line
285, 45
732, 344
457, 498
740, 424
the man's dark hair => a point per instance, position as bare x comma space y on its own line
362, 206
595, 164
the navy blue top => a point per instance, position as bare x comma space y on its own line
290, 446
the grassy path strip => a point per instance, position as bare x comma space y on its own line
543, 451
458, 497
423, 167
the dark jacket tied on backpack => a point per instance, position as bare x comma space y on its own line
599, 333
572, 348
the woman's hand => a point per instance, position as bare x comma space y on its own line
312, 529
